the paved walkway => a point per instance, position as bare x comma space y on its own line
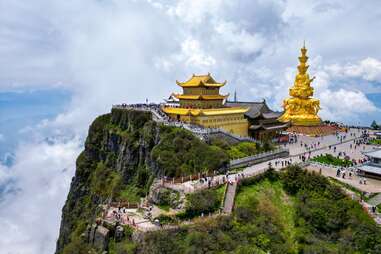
371, 186
229, 197
129, 217
376, 200
315, 146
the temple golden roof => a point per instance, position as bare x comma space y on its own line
201, 97
207, 112
200, 80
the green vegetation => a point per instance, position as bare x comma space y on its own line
331, 160
124, 152
375, 126
345, 185
125, 246
326, 219
375, 141
130, 193
198, 203
242, 149
167, 198
205, 201
181, 153
290, 212
271, 200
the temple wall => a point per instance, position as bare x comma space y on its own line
201, 104
201, 91
233, 123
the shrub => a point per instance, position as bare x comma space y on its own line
179, 153
204, 201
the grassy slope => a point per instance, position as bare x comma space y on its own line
272, 196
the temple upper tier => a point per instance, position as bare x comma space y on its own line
301, 108
202, 104
201, 91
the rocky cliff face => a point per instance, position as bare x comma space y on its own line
124, 152
117, 146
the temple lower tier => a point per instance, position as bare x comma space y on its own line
230, 119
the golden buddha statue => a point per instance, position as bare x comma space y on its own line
301, 109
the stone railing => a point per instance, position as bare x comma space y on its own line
201, 132
326, 165
258, 158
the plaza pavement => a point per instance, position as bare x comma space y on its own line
295, 151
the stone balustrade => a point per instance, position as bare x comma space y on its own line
201, 132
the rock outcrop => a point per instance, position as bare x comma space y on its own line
120, 143
125, 151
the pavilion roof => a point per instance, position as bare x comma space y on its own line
269, 127
201, 97
370, 169
201, 81
256, 109
374, 154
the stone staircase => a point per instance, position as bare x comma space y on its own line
229, 197
376, 200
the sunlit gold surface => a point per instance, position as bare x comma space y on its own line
206, 112
301, 109
201, 80
202, 104
200, 97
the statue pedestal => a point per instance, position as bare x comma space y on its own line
313, 131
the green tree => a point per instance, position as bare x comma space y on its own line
374, 125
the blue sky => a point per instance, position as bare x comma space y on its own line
22, 109
62, 63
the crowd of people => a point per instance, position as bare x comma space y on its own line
120, 215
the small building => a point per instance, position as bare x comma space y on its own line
263, 122
372, 169
202, 104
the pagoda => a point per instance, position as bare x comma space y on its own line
301, 109
202, 104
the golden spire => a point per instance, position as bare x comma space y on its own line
301, 109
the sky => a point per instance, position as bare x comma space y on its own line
62, 63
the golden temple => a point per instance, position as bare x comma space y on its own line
301, 109
202, 104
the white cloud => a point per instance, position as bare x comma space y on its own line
343, 104
194, 56
368, 69
37, 186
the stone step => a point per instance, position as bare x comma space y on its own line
229, 197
